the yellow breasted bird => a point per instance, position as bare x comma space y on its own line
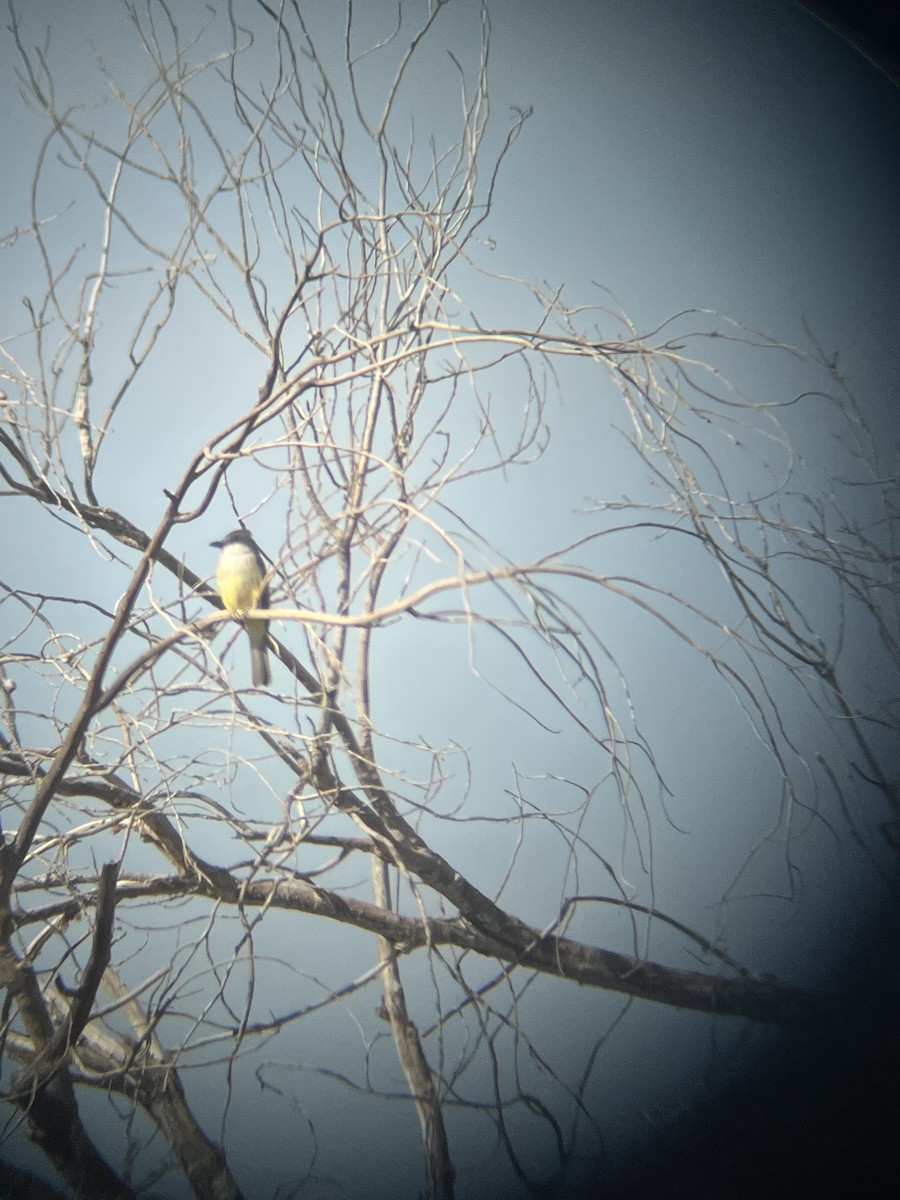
240, 576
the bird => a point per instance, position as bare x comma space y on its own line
241, 577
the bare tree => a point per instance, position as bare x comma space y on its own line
260, 208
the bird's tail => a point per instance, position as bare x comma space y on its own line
259, 666
258, 632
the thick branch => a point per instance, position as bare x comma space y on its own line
749, 996
157, 1087
47, 1098
441, 1172
147, 1076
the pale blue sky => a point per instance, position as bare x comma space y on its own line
736, 157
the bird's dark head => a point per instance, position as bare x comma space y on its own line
237, 537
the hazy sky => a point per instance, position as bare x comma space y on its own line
735, 157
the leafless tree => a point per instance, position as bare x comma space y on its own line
250, 278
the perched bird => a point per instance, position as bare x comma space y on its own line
241, 575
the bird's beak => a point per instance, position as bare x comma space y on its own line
219, 544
